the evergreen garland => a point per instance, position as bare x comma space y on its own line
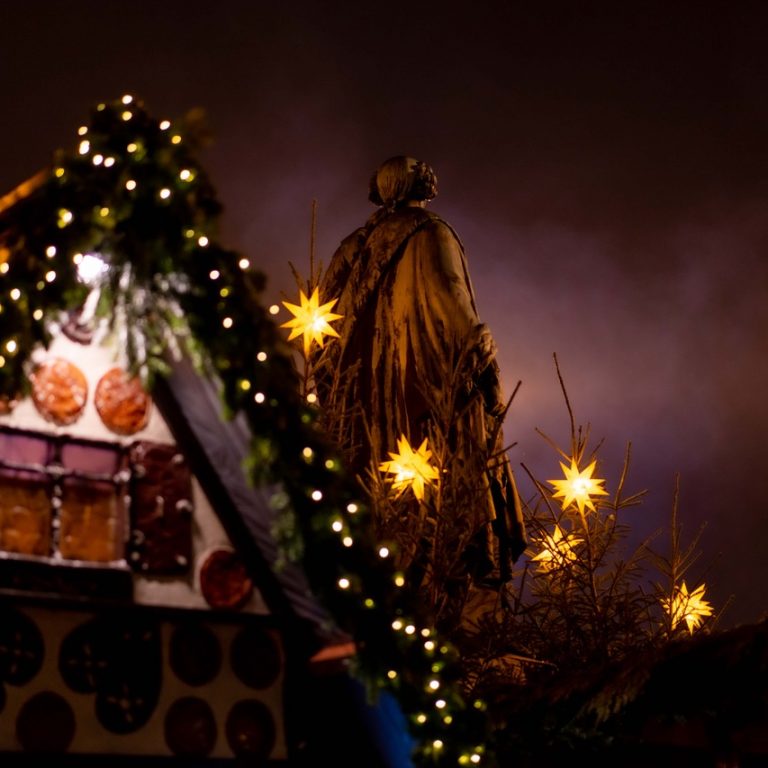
133, 193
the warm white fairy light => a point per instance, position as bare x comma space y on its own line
337, 526
383, 552
65, 217
2, 361
104, 212
399, 580
176, 139
261, 356
11, 346
312, 398
307, 453
97, 159
274, 309
434, 684
227, 322
202, 241
243, 263
330, 464
391, 674
347, 541
440, 703
130, 185
82, 130
343, 583
437, 744
109, 162
259, 397
397, 625
127, 115
429, 645
410, 629
15, 294
37, 314
132, 147
85, 147
165, 125
4, 267
352, 508
89, 267
50, 276
425, 632
214, 274
165, 193
317, 495
127, 99
245, 385
421, 718
185, 174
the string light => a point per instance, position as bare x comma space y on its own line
185, 174
127, 115
109, 162
15, 294
274, 309
97, 159
312, 398
214, 274
176, 139
127, 99
4, 267
261, 356
243, 263
337, 526
37, 314
104, 212
202, 241
317, 495
227, 322
130, 185
165, 125
165, 193
383, 552
259, 397
132, 147
343, 583
245, 385
347, 542
11, 346
82, 130
50, 276
397, 625
352, 508
391, 674
84, 148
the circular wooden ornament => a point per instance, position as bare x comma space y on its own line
59, 391
122, 403
224, 580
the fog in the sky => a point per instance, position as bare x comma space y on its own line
604, 165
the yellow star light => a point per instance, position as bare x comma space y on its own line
311, 319
557, 549
411, 469
578, 487
688, 607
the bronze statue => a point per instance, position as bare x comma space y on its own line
413, 359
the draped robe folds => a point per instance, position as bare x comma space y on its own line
410, 333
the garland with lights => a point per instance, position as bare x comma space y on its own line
133, 193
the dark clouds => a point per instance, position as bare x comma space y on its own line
605, 165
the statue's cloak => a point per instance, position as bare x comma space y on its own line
412, 352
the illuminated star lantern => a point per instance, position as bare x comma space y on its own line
557, 549
411, 469
690, 608
311, 319
578, 487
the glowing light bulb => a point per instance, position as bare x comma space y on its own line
347, 541
317, 495
337, 526
84, 148
421, 718
352, 508
245, 385
227, 322
11, 346
274, 309
59, 172
50, 276
97, 159
37, 314
259, 397
109, 162
104, 212
440, 703
343, 583
132, 147
165, 125
243, 263
185, 174
434, 684
202, 241
127, 115
127, 99
165, 193
312, 398
214, 274
429, 645
130, 185
82, 130
391, 674
176, 139
397, 625
261, 356
383, 552
15, 294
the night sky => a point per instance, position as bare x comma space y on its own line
605, 165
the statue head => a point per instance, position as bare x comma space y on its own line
402, 180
